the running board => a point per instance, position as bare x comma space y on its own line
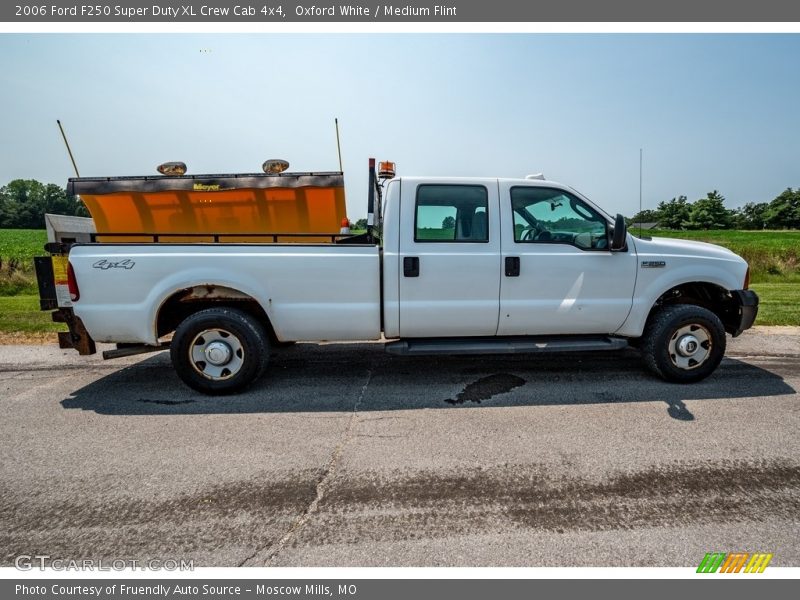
123, 350
504, 345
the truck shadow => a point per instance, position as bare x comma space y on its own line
341, 377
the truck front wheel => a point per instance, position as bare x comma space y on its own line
219, 350
683, 343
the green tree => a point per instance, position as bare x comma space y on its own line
449, 223
751, 216
784, 211
674, 214
361, 224
645, 216
710, 213
23, 203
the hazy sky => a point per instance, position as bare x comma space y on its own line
710, 111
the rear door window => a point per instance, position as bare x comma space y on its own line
451, 213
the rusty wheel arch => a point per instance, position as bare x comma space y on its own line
190, 300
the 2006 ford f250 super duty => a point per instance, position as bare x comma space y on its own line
449, 265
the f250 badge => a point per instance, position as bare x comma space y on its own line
105, 265
653, 264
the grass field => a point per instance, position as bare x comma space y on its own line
22, 314
17, 249
779, 303
774, 258
22, 244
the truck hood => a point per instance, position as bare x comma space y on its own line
678, 247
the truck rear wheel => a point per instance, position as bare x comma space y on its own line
219, 350
683, 343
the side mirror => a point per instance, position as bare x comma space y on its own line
619, 235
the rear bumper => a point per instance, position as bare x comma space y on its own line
745, 304
77, 337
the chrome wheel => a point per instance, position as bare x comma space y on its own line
690, 346
216, 354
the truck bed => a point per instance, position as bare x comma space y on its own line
310, 292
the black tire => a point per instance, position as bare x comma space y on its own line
206, 335
683, 343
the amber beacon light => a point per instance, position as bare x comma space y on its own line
172, 168
386, 170
273, 166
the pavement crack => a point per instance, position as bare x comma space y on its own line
323, 483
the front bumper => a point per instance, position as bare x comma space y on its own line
745, 310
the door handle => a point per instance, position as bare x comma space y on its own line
512, 266
411, 266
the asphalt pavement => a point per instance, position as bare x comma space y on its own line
345, 456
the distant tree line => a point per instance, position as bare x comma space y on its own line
710, 213
23, 203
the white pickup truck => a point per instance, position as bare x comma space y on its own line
448, 266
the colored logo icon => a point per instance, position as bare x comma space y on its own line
734, 562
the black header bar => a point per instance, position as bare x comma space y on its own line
442, 11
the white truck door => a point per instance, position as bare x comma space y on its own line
449, 260
559, 275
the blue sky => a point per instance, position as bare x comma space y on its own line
711, 110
